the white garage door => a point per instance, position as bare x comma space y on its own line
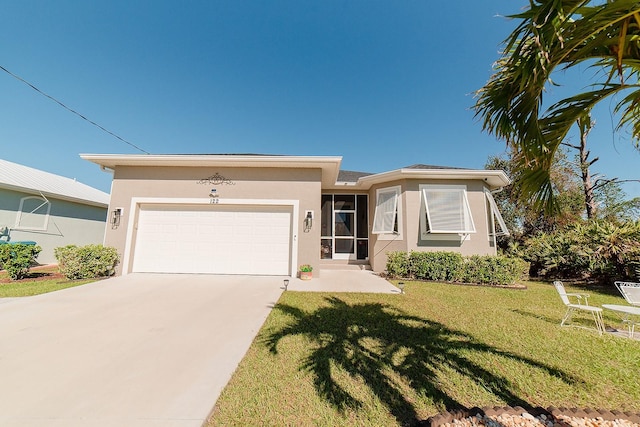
218, 239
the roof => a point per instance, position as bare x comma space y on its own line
431, 167
332, 176
351, 176
493, 178
34, 181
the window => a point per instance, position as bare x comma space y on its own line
386, 217
495, 217
33, 213
446, 209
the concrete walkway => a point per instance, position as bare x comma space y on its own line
143, 350
344, 281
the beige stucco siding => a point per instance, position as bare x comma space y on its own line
411, 239
302, 185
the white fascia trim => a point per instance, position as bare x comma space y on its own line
132, 224
494, 178
113, 160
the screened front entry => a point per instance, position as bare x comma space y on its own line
345, 226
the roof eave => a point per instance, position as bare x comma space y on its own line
330, 165
493, 178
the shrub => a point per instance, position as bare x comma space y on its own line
439, 266
85, 262
453, 267
493, 270
595, 248
16, 258
397, 264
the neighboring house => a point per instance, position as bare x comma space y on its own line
260, 214
49, 209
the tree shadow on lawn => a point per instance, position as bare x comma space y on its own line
384, 346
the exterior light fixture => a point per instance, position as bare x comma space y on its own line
116, 215
401, 286
308, 221
286, 284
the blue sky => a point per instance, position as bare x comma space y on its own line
383, 84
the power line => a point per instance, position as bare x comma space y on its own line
72, 110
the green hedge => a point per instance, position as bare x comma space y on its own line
453, 267
86, 262
17, 258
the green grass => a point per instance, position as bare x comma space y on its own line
29, 287
365, 359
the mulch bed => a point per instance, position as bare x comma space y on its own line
35, 274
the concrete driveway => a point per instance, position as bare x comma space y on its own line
139, 350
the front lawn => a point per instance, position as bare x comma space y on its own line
38, 281
367, 359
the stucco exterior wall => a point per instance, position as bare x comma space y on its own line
411, 239
68, 223
239, 183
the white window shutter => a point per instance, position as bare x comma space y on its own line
496, 215
386, 210
447, 209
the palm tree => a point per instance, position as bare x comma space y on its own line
554, 35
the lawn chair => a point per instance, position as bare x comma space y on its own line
596, 312
630, 291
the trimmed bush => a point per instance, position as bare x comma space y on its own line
17, 258
494, 270
397, 264
86, 262
453, 267
439, 266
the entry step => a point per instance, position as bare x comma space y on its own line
342, 266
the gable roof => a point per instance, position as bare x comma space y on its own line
34, 181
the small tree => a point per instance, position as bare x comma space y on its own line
17, 258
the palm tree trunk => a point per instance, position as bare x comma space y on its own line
585, 125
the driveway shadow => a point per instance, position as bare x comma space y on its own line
388, 350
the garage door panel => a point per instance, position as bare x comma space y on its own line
220, 239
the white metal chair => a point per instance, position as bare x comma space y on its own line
631, 293
596, 312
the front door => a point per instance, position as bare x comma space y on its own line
345, 227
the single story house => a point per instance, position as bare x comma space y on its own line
49, 209
267, 215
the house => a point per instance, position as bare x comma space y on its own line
49, 209
267, 215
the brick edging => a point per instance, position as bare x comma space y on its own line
551, 412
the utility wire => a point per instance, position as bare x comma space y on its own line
72, 110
